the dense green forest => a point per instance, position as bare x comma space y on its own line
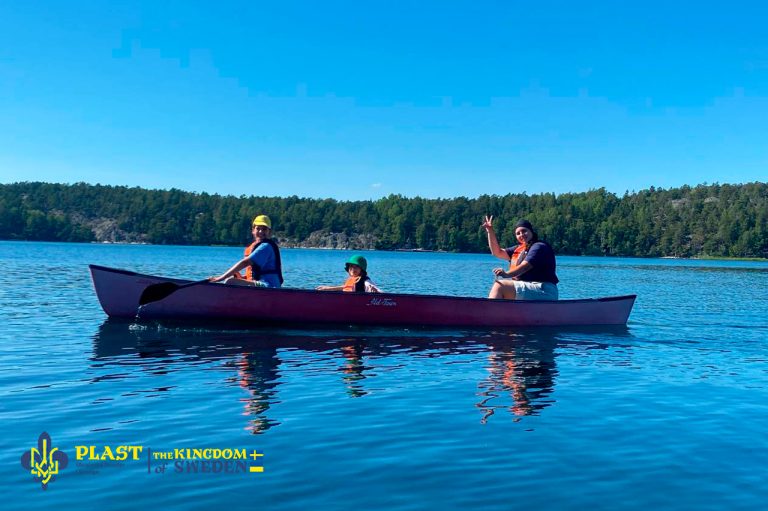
702, 221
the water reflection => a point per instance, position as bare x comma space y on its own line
525, 370
353, 370
257, 373
520, 366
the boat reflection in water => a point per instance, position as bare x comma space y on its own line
520, 364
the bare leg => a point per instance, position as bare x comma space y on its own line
232, 281
502, 289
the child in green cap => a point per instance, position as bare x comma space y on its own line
358, 281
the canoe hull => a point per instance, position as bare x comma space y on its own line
118, 292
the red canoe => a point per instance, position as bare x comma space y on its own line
119, 292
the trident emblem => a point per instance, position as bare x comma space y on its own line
44, 462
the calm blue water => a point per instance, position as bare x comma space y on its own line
669, 413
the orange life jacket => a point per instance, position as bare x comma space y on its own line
355, 284
249, 269
515, 256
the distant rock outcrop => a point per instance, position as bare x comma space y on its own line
106, 230
333, 240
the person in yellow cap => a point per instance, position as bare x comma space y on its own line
261, 260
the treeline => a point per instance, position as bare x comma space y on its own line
706, 220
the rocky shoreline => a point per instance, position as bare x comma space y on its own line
332, 240
106, 231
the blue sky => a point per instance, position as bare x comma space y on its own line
358, 100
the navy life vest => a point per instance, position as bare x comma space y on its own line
254, 271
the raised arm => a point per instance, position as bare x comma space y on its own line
493, 242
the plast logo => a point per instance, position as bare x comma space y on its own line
44, 461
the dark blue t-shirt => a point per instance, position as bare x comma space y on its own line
542, 258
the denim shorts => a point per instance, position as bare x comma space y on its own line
535, 290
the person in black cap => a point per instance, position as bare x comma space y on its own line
531, 274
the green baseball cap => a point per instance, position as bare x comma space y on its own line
357, 260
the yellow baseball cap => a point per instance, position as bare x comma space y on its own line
262, 220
